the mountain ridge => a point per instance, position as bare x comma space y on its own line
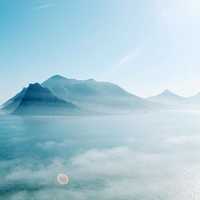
167, 97
94, 95
36, 99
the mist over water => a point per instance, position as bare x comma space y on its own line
141, 156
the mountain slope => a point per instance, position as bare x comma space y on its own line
194, 99
167, 98
94, 95
14, 102
36, 100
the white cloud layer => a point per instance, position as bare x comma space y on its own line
117, 173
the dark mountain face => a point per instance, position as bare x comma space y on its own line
35, 92
36, 100
94, 95
14, 102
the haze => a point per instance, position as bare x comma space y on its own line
143, 46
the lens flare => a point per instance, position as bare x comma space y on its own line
63, 179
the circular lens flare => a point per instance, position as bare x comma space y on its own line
63, 179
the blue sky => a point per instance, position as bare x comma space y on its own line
144, 46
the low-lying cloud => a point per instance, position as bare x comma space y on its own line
115, 173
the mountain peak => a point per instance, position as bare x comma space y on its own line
167, 98
57, 77
34, 85
167, 92
36, 89
38, 100
94, 95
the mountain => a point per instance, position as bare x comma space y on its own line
12, 104
94, 95
167, 98
193, 101
175, 101
37, 100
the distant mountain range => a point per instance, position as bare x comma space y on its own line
167, 98
94, 95
62, 96
172, 100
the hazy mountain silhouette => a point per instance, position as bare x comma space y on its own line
37, 100
194, 99
60, 96
167, 98
94, 95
